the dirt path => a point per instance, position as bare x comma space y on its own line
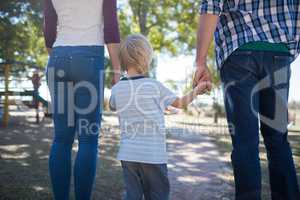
197, 170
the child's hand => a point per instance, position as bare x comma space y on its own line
202, 87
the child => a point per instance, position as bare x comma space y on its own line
140, 103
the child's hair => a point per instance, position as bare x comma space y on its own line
136, 51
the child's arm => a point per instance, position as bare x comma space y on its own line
182, 102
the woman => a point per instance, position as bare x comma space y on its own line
75, 33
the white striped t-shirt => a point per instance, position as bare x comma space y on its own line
140, 103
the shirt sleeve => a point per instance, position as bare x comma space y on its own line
211, 7
111, 25
167, 97
50, 23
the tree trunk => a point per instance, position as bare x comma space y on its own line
143, 13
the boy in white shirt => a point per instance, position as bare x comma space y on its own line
140, 103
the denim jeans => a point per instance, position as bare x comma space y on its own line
148, 180
75, 79
256, 86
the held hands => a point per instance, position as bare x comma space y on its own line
202, 87
202, 74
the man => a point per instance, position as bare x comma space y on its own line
255, 41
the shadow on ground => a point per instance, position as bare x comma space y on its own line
196, 167
199, 165
24, 149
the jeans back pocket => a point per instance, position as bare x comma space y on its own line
239, 66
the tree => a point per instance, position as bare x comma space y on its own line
169, 24
21, 33
172, 84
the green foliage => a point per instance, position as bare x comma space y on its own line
170, 24
108, 72
172, 84
21, 34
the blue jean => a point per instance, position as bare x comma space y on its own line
75, 78
256, 87
148, 180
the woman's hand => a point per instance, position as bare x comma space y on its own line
116, 78
49, 50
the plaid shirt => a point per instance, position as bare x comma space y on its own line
243, 21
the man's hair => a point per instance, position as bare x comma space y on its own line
136, 51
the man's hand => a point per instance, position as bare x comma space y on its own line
202, 87
202, 74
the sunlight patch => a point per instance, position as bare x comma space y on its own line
38, 188
13, 148
15, 156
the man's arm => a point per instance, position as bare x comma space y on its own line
207, 27
209, 16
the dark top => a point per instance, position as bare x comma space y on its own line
265, 46
111, 26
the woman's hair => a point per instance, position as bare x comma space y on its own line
136, 51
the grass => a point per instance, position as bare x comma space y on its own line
24, 149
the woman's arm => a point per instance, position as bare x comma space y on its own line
182, 102
112, 35
111, 25
50, 24
113, 50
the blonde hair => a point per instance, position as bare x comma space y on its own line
136, 51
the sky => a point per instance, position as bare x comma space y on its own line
179, 68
